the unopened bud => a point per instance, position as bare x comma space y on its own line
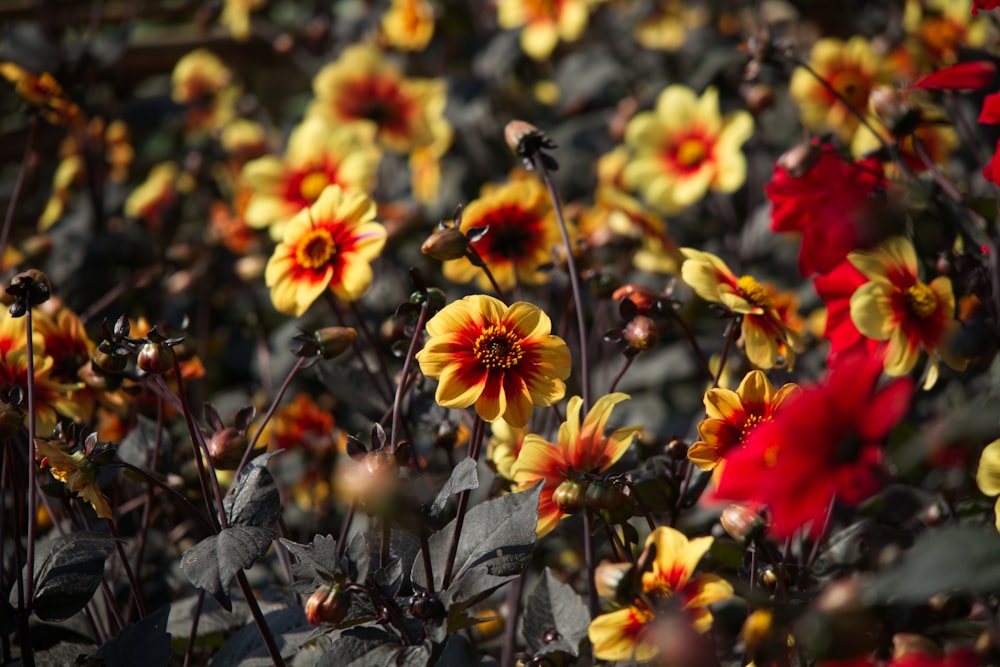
226, 448
570, 497
895, 111
641, 297
329, 604
741, 523
29, 288
334, 341
641, 333
799, 159
154, 357
758, 97
516, 132
602, 496
446, 243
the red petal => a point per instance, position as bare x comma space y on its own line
990, 114
961, 76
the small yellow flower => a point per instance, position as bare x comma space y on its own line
203, 83
408, 25
988, 475
44, 92
684, 148
75, 470
544, 22
236, 17
939, 141
425, 164
504, 445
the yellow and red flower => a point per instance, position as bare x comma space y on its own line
75, 470
895, 306
627, 634
685, 148
733, 415
329, 245
203, 83
545, 22
504, 447
235, 17
502, 359
940, 28
408, 25
44, 92
765, 331
581, 449
520, 236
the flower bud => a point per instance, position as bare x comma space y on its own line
758, 97
110, 363
329, 604
446, 243
602, 496
426, 606
334, 341
29, 288
154, 357
570, 497
741, 523
515, 132
799, 159
641, 333
226, 448
894, 110
641, 297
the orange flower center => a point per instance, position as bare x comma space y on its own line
921, 300
498, 348
853, 85
691, 152
754, 293
752, 422
312, 185
315, 249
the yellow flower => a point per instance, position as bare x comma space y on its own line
988, 475
853, 69
502, 359
765, 329
623, 634
425, 164
317, 155
329, 245
617, 214
504, 445
939, 141
44, 92
236, 17
203, 83
666, 27
545, 22
363, 87
684, 148
408, 25
941, 27
155, 194
75, 470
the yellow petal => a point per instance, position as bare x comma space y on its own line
988, 473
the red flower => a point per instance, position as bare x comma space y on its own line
985, 5
961, 76
990, 113
991, 172
836, 288
824, 444
830, 202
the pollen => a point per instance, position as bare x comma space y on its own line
315, 249
921, 300
754, 293
312, 185
691, 153
752, 422
498, 348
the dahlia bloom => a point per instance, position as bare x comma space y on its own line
825, 443
502, 359
625, 634
408, 25
836, 289
75, 470
329, 245
765, 332
202, 81
545, 23
581, 448
685, 148
943, 27
504, 446
984, 5
988, 475
43, 91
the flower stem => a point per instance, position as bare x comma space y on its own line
628, 363
510, 623
693, 342
588, 558
475, 444
153, 481
397, 402
344, 529
195, 618
258, 617
358, 352
477, 260
270, 413
731, 330
29, 587
129, 574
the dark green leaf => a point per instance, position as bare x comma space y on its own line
146, 642
213, 563
463, 477
69, 573
254, 499
555, 612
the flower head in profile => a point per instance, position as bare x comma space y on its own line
895, 306
361, 86
75, 470
988, 475
44, 92
203, 83
685, 147
318, 155
765, 332
544, 23
733, 415
408, 25
582, 448
501, 359
823, 444
852, 69
520, 235
504, 446
329, 245
235, 17
669, 584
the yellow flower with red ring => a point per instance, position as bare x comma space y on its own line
408, 25
895, 306
545, 22
329, 245
502, 359
581, 449
685, 147
765, 330
670, 583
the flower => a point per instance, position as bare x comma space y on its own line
833, 203
545, 23
75, 470
317, 155
984, 5
988, 474
408, 25
624, 634
826, 443
425, 163
733, 415
155, 195
520, 236
504, 446
581, 449
937, 143
203, 83
836, 289
894, 305
502, 359
684, 148
44, 92
361, 87
301, 423
852, 69
331, 245
667, 25
235, 17
941, 28
764, 331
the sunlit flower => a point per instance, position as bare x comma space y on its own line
668, 23
236, 17
425, 164
504, 446
503, 360
988, 475
408, 25
733, 415
852, 69
937, 142
685, 148
581, 449
362, 86
942, 27
895, 306
203, 83
544, 22
616, 214
44, 92
836, 289
627, 634
520, 238
300, 423
329, 245
155, 195
75, 470
825, 443
317, 155
765, 332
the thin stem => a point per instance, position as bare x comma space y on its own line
621, 373
588, 558
425, 552
397, 402
386, 541
270, 413
15, 196
29, 588
23, 631
195, 618
258, 617
147, 513
477, 260
358, 352
463, 503
342, 539
192, 510
510, 624
366, 332
731, 330
693, 342
129, 574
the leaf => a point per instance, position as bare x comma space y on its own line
69, 573
954, 559
213, 563
315, 563
555, 612
463, 478
365, 646
146, 642
254, 499
246, 648
137, 446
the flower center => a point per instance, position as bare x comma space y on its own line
315, 249
853, 85
752, 422
691, 152
921, 300
498, 348
753, 292
312, 185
